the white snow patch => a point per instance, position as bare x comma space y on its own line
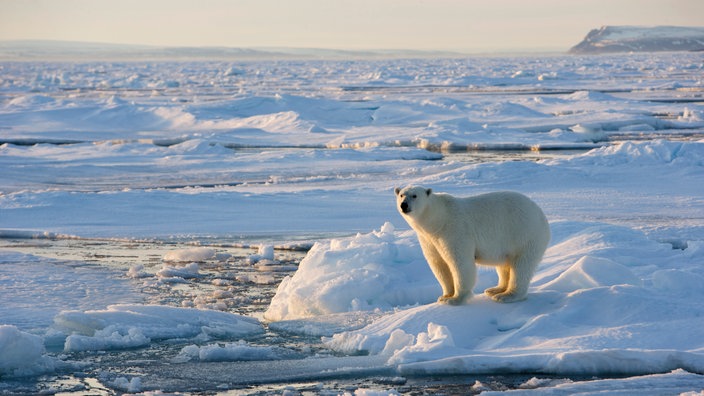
197, 254
368, 271
186, 271
228, 352
675, 382
595, 304
129, 326
23, 354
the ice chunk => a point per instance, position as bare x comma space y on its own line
105, 339
22, 354
264, 253
137, 271
132, 385
229, 352
187, 271
128, 326
197, 254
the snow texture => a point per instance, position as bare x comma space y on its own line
129, 326
311, 150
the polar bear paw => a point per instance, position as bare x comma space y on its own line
452, 300
507, 297
492, 291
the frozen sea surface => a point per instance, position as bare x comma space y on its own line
230, 227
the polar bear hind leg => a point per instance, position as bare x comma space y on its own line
520, 273
504, 272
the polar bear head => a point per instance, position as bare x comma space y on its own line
412, 200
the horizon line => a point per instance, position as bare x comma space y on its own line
379, 51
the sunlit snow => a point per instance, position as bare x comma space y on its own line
276, 155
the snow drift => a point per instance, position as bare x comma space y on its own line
600, 303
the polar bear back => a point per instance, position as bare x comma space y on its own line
499, 223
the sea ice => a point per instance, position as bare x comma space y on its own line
311, 151
231, 351
191, 254
23, 354
34, 289
589, 311
676, 382
127, 326
186, 271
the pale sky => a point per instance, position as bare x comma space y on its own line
458, 25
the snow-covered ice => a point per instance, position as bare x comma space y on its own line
600, 303
190, 254
231, 351
23, 353
195, 157
35, 289
128, 326
367, 272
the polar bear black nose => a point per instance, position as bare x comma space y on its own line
404, 207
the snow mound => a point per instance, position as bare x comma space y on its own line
655, 153
381, 269
600, 302
676, 382
590, 272
129, 326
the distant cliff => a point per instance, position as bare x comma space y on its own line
610, 39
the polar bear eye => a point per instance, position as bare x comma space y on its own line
414, 196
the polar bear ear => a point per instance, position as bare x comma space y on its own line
430, 190
397, 190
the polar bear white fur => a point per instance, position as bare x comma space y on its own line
502, 229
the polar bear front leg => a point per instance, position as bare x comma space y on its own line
464, 271
439, 267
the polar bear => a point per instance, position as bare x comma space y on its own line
502, 229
